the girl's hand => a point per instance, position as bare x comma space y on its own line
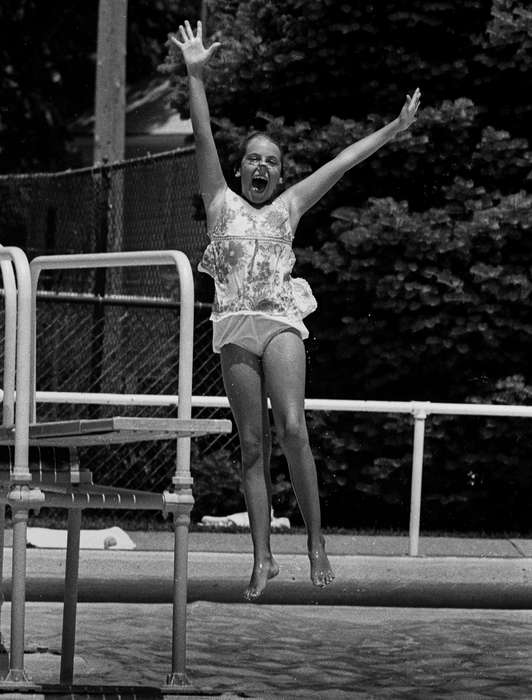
196, 56
408, 113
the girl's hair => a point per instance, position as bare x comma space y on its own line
254, 134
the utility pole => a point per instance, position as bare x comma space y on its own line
109, 148
110, 99
203, 16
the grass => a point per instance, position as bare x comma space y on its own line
384, 532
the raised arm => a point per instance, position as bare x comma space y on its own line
303, 195
196, 57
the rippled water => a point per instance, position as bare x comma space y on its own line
297, 651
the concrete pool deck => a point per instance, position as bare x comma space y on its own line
450, 572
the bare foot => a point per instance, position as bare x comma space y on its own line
262, 572
321, 573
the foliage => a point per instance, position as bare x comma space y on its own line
216, 487
47, 71
510, 29
506, 54
300, 58
429, 303
363, 467
217, 484
477, 472
35, 68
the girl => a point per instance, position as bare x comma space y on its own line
258, 309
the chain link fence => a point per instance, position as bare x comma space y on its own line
118, 330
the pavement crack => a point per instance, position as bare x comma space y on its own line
517, 548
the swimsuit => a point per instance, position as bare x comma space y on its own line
253, 332
250, 258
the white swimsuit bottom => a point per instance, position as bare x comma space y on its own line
252, 332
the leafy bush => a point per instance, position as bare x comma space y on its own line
216, 484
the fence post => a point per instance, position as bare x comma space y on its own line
106, 330
420, 414
109, 99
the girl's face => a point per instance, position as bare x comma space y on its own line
260, 170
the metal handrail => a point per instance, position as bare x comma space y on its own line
18, 302
186, 320
10, 340
420, 410
113, 299
350, 405
20, 293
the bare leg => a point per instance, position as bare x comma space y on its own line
284, 371
244, 386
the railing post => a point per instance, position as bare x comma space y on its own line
20, 474
182, 482
16, 672
4, 656
420, 415
68, 639
10, 341
8, 407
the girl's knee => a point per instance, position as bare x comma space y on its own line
252, 448
292, 432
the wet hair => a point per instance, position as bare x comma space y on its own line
258, 134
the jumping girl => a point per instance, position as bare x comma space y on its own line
259, 307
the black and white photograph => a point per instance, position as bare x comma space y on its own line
266, 314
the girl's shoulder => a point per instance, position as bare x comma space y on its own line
228, 207
282, 201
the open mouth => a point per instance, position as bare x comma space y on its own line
259, 183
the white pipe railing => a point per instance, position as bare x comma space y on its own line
186, 318
17, 282
17, 359
10, 339
420, 410
349, 405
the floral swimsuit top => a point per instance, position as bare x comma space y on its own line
250, 258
